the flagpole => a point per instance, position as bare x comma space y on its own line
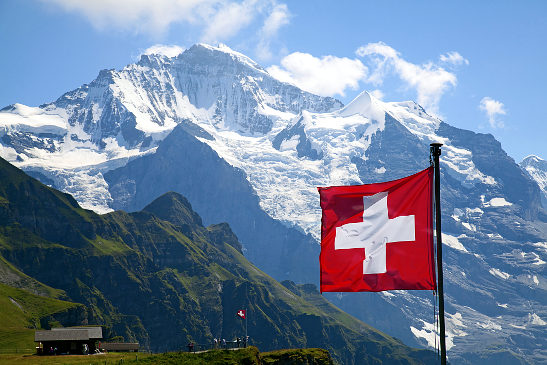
436, 152
246, 310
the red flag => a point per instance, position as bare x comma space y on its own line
241, 313
378, 236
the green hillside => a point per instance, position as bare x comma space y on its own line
161, 278
247, 356
21, 313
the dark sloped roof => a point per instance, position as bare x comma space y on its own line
69, 334
64, 335
94, 332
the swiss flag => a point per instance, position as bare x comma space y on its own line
378, 236
241, 313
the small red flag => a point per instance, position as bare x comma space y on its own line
241, 313
378, 237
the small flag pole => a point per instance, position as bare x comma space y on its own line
435, 150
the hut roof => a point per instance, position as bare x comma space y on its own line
94, 332
69, 334
66, 335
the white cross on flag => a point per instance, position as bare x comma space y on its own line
378, 236
241, 313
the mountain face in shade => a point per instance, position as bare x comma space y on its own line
161, 278
247, 149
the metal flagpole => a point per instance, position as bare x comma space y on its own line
435, 150
246, 312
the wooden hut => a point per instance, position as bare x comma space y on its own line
72, 340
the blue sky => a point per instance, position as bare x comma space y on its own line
479, 65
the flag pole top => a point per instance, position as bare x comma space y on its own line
436, 145
435, 149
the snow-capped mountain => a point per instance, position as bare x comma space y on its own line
248, 149
537, 169
123, 114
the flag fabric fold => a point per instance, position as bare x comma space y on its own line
378, 237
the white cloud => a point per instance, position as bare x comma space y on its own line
165, 50
377, 93
229, 19
279, 17
140, 16
218, 20
429, 80
326, 76
453, 58
493, 109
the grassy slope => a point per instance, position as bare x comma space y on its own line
103, 359
248, 356
20, 313
300, 356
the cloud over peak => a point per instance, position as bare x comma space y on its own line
331, 75
164, 50
493, 109
217, 20
326, 76
429, 80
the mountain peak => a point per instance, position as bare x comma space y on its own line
203, 49
366, 105
531, 159
175, 209
161, 50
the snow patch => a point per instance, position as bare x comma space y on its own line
496, 202
289, 144
22, 118
454, 329
462, 167
499, 273
536, 320
541, 245
489, 325
453, 242
8, 153
469, 226
428, 333
494, 235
